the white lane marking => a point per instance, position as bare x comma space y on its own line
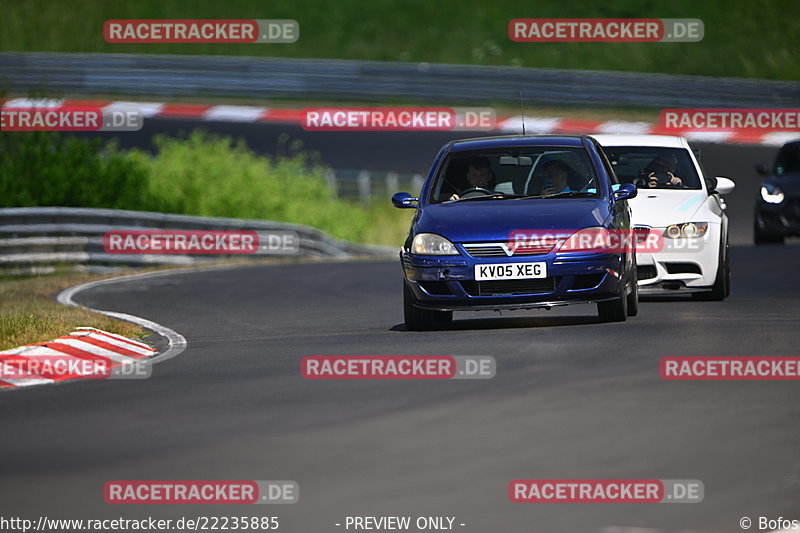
146, 352
630, 128
147, 109
34, 102
708, 136
96, 350
176, 341
778, 138
14, 351
105, 334
234, 113
532, 124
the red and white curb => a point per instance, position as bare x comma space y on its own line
101, 348
533, 125
109, 349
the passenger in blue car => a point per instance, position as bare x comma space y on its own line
479, 176
556, 177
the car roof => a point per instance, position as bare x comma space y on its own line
664, 141
511, 141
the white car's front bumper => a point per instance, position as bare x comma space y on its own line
683, 264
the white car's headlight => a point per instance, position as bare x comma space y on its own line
771, 194
432, 244
687, 230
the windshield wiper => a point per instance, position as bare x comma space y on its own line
566, 194
484, 197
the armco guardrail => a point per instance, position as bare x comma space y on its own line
259, 78
35, 236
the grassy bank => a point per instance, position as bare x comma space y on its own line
200, 174
29, 314
760, 38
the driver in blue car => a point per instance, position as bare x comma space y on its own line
479, 176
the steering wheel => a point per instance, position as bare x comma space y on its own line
475, 191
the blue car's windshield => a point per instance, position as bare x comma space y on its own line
506, 174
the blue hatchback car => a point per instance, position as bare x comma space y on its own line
491, 225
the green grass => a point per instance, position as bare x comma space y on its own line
28, 312
758, 39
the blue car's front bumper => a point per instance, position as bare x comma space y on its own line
447, 283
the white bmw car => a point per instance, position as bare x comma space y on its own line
681, 209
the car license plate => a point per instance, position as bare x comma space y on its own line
510, 271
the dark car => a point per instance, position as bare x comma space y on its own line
777, 213
463, 252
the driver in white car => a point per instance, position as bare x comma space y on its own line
662, 165
479, 176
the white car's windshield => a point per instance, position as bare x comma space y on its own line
650, 167
531, 172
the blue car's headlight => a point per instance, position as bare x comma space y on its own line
432, 244
771, 194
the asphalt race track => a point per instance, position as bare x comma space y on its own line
572, 398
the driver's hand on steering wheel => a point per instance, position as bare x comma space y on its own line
454, 196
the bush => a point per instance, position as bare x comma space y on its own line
42, 168
200, 175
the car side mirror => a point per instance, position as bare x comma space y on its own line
403, 200
626, 191
711, 185
724, 185
762, 169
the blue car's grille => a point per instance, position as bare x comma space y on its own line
509, 287
501, 249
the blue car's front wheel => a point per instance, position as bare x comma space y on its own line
615, 310
422, 319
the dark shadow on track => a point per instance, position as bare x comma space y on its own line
512, 323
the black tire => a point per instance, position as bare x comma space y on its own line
633, 297
766, 238
614, 310
722, 283
422, 319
